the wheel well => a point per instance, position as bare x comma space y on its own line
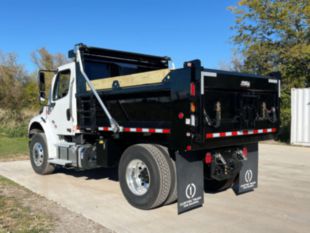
35, 128
171, 152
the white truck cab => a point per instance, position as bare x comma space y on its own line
59, 117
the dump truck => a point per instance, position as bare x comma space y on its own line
173, 134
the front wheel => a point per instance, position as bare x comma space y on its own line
39, 155
145, 176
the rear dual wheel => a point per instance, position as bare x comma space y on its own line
147, 176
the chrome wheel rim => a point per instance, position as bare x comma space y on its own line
38, 154
138, 177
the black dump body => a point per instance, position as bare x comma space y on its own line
188, 109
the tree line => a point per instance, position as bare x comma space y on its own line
274, 36
18, 87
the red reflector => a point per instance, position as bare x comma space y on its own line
193, 89
245, 152
208, 158
234, 133
188, 147
166, 131
181, 115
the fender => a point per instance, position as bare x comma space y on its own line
51, 137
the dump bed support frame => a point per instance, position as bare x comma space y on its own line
114, 125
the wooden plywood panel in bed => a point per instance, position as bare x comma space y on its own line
144, 78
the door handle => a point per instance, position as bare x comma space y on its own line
68, 113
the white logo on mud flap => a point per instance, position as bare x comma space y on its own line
190, 190
248, 176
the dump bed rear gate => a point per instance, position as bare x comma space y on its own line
236, 105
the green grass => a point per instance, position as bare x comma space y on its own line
6, 182
13, 148
14, 215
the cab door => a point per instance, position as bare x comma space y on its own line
60, 112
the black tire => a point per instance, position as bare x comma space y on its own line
172, 197
214, 186
44, 168
159, 174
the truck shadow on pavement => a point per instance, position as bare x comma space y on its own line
95, 174
112, 174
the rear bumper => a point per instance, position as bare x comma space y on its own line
219, 140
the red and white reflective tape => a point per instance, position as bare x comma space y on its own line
137, 130
240, 133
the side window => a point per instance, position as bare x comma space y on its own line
62, 84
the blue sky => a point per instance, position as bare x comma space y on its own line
183, 30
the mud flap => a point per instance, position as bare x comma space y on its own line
189, 167
248, 175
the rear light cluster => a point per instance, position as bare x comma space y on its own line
181, 115
208, 158
192, 89
245, 152
192, 110
193, 107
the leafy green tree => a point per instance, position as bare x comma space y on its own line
12, 78
19, 89
274, 35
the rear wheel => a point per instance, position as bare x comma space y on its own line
39, 155
172, 197
145, 176
218, 186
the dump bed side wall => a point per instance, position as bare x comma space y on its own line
153, 107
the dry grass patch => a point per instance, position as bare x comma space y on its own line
15, 216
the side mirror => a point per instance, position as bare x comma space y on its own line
42, 87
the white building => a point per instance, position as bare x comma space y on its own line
300, 116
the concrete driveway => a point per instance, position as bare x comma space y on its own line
280, 204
